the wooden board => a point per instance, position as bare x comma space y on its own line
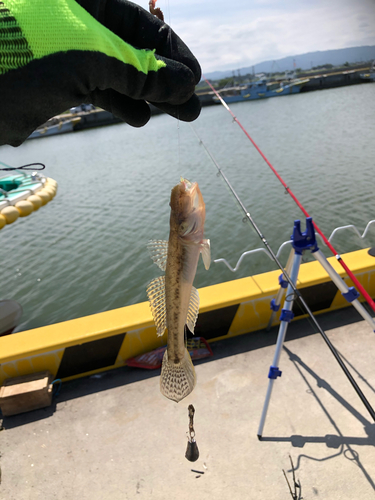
26, 393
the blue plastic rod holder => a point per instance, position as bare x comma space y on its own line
274, 372
351, 295
286, 315
304, 240
275, 307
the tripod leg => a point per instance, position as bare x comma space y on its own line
350, 294
275, 303
285, 317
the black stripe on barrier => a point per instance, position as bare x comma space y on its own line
216, 323
90, 356
318, 297
103, 353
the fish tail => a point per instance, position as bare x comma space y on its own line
177, 380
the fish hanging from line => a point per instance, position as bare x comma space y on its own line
173, 299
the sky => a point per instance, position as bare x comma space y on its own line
233, 34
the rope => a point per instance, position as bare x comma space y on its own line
29, 166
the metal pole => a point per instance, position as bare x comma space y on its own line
275, 303
287, 313
349, 294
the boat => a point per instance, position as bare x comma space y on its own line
82, 117
260, 89
370, 75
53, 128
75, 119
22, 193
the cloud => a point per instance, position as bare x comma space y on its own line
239, 33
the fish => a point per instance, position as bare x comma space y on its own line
173, 299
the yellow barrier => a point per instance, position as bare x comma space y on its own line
103, 341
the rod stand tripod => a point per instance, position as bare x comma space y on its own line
301, 241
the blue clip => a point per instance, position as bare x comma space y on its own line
351, 294
286, 315
274, 372
275, 307
283, 282
306, 240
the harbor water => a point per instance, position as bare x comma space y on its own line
85, 252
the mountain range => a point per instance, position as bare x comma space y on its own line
304, 61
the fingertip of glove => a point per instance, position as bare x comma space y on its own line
133, 112
137, 121
190, 111
187, 112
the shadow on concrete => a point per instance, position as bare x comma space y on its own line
334, 441
229, 347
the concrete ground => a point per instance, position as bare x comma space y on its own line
114, 436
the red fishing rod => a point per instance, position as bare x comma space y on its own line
300, 206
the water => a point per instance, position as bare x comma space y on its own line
85, 251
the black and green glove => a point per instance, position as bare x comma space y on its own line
55, 54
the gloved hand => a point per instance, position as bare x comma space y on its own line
111, 53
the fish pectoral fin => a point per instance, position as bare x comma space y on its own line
156, 296
193, 310
158, 250
177, 380
206, 253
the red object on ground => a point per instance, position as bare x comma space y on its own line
198, 348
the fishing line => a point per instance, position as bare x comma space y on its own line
23, 167
160, 15
300, 206
169, 13
288, 279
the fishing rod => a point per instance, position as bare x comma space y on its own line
290, 281
300, 206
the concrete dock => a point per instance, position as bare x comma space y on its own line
114, 436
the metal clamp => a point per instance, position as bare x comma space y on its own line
274, 372
351, 294
275, 307
286, 315
282, 281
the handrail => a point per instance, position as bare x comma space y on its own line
352, 226
281, 247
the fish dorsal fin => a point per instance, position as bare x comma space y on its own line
193, 310
206, 253
158, 252
156, 296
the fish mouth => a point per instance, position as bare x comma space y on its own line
186, 185
191, 189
